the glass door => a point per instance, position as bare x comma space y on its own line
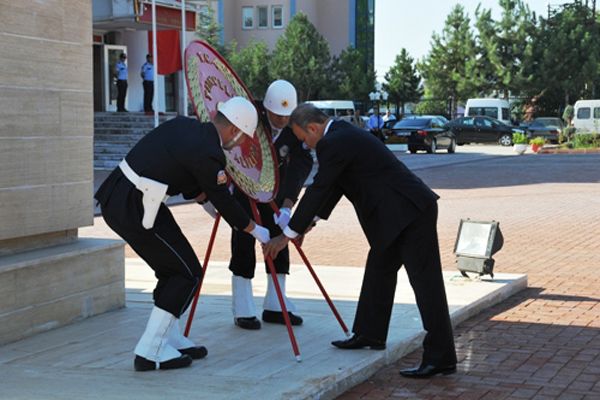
111, 57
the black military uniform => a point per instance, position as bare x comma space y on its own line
187, 156
294, 164
398, 214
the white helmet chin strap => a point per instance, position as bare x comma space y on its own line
229, 145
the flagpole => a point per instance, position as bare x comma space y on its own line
155, 58
183, 86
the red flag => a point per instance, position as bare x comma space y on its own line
168, 51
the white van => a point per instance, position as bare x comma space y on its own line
587, 116
343, 109
495, 108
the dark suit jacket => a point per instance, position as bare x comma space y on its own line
386, 195
186, 155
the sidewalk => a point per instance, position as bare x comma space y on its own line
93, 359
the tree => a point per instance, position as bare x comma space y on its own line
252, 65
444, 68
566, 56
403, 80
302, 57
209, 30
348, 79
505, 44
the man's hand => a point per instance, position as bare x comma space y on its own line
283, 218
275, 245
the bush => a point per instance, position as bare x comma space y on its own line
566, 135
519, 138
538, 141
586, 140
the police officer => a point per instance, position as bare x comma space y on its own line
147, 75
121, 72
295, 163
180, 156
398, 214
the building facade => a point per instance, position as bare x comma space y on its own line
123, 26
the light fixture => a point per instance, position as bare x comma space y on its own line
476, 243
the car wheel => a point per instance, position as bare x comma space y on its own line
432, 147
452, 147
505, 139
412, 150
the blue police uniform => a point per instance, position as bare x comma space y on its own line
121, 69
148, 83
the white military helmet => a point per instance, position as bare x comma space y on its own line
240, 112
281, 98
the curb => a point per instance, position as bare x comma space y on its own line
569, 151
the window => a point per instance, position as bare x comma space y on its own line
596, 112
583, 113
277, 16
468, 121
247, 17
487, 111
263, 17
505, 114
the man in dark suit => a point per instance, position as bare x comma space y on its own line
398, 214
294, 164
181, 156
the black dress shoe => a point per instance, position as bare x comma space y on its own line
143, 364
251, 323
276, 317
428, 370
359, 342
196, 353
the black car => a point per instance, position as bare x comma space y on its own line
481, 129
423, 133
546, 127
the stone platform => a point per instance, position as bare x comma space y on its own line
93, 359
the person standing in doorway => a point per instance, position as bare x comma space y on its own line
121, 72
147, 74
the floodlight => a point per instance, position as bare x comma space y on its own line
476, 243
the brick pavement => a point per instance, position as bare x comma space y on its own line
543, 343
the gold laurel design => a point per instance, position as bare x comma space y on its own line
266, 182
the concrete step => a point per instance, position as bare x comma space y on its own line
121, 131
46, 288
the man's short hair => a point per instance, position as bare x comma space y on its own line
305, 114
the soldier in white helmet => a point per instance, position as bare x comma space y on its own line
294, 163
181, 156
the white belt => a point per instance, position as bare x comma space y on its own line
154, 193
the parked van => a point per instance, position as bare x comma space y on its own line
343, 109
587, 116
495, 108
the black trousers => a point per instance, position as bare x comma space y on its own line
148, 95
243, 245
416, 248
121, 93
164, 248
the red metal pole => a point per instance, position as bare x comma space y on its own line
316, 278
211, 242
273, 273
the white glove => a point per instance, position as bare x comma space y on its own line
210, 209
283, 219
260, 233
